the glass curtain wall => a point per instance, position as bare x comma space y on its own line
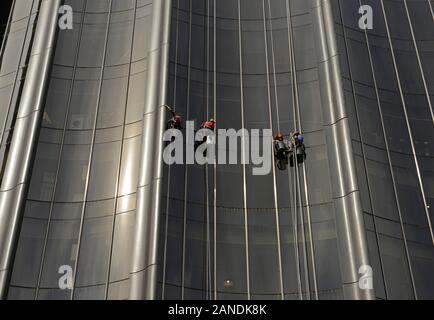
80, 209
227, 234
389, 94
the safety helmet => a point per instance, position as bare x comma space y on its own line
300, 138
212, 120
279, 136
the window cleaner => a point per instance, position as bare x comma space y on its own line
210, 125
289, 151
282, 148
175, 121
297, 141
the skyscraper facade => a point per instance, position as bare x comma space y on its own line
89, 209
388, 91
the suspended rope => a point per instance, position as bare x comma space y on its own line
297, 161
296, 183
207, 200
270, 112
215, 165
166, 231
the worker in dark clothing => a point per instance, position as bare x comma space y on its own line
175, 121
279, 146
282, 148
299, 147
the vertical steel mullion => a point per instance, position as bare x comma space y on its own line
118, 177
215, 164
27, 124
312, 249
410, 133
246, 224
208, 220
303, 231
297, 119
276, 95
308, 214
365, 161
310, 233
184, 232
294, 220
416, 48
166, 228
299, 187
205, 92
59, 161
291, 179
146, 244
431, 9
275, 195
92, 146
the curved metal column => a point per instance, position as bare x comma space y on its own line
352, 241
24, 139
145, 246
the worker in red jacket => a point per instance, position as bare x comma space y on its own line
210, 125
175, 121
